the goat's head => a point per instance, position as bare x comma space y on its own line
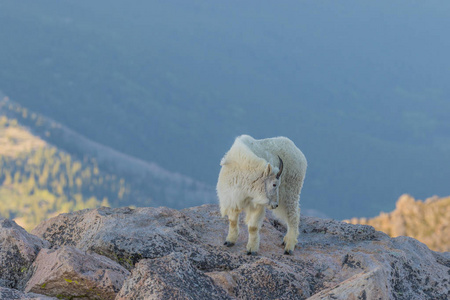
272, 183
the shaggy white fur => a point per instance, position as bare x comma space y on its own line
250, 179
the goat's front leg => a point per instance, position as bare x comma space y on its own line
233, 230
254, 219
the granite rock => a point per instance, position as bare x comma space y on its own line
182, 252
169, 277
12, 294
18, 249
69, 272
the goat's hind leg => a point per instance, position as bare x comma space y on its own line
290, 239
291, 217
233, 229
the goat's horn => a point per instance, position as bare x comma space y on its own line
281, 168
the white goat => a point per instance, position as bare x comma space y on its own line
256, 174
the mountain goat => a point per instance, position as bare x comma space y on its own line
256, 174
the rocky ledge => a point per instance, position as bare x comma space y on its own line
162, 253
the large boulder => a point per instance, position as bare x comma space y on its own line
125, 235
169, 277
129, 235
18, 249
182, 252
69, 272
12, 294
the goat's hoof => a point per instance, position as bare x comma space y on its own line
288, 252
252, 253
283, 243
228, 244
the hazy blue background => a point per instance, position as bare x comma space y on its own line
362, 87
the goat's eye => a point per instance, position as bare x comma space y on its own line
274, 185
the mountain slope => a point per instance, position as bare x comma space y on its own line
428, 221
46, 168
37, 180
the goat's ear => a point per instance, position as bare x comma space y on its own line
223, 162
268, 170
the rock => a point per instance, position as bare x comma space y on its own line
333, 260
70, 272
370, 285
428, 221
129, 235
11, 294
18, 250
124, 235
265, 279
169, 277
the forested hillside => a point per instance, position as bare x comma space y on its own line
38, 179
361, 87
